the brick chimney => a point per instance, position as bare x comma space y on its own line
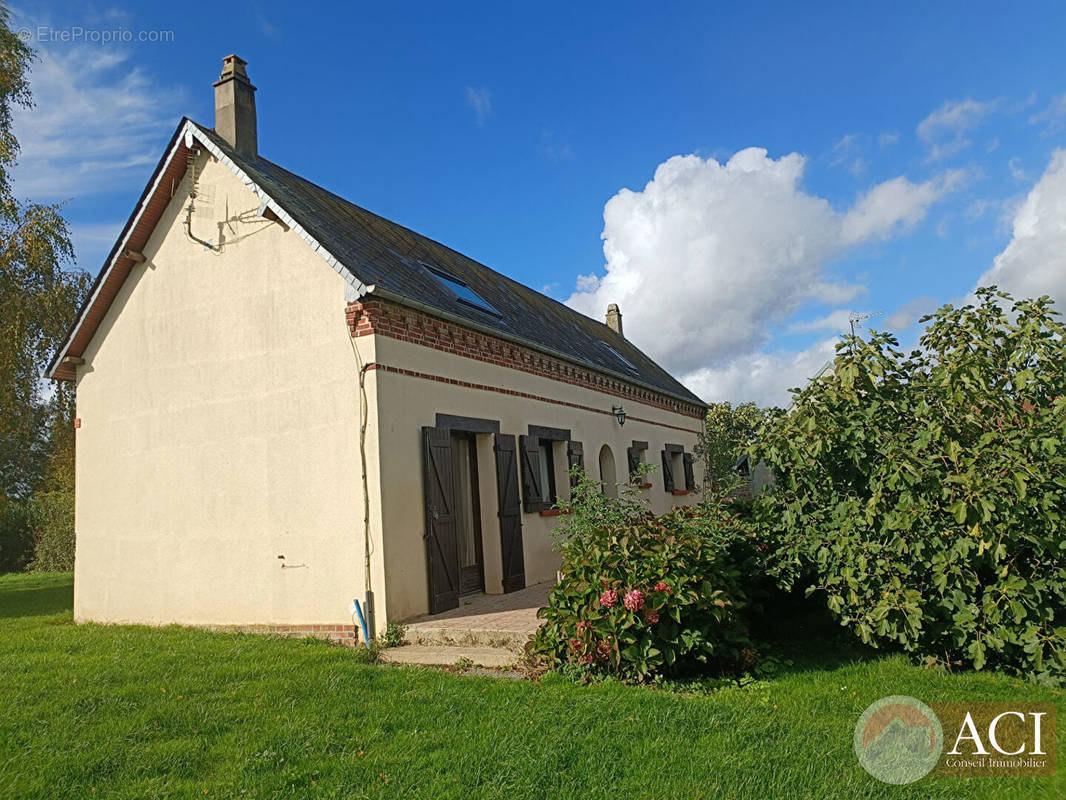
614, 318
235, 107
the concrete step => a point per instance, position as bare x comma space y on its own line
444, 636
449, 655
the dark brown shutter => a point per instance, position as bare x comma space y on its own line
442, 548
532, 491
510, 514
633, 459
668, 471
575, 455
690, 479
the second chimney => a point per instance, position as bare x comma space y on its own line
614, 318
235, 107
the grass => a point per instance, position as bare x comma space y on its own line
108, 711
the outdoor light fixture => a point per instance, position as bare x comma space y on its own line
619, 412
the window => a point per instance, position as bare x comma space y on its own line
547, 472
621, 359
461, 289
539, 452
678, 472
635, 459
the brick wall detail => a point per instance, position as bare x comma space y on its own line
382, 318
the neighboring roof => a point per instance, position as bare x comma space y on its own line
381, 257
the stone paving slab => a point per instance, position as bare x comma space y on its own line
441, 656
515, 612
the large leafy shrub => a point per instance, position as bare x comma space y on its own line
16, 538
641, 596
52, 520
924, 494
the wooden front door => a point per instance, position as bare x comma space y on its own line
467, 513
442, 547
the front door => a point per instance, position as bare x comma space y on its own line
467, 513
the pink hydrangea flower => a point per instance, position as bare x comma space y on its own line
651, 616
634, 600
582, 626
575, 644
608, 598
585, 659
662, 587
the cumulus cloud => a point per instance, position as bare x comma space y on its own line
895, 205
944, 130
709, 256
98, 124
1034, 261
481, 101
764, 377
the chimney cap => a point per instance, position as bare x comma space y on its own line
233, 68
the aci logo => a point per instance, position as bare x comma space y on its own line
898, 739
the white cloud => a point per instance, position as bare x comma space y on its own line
888, 139
708, 257
838, 320
1034, 261
909, 313
1052, 118
895, 205
764, 377
92, 242
1016, 170
98, 124
481, 101
944, 130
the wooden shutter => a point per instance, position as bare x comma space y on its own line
575, 455
633, 459
668, 471
690, 478
532, 491
442, 547
510, 514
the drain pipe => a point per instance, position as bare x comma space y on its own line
367, 619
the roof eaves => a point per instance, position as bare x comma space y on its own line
466, 322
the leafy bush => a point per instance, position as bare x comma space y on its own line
924, 494
52, 521
641, 596
16, 539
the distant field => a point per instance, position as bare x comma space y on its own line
96, 711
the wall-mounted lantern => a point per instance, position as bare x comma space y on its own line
619, 412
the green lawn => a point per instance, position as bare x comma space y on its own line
98, 711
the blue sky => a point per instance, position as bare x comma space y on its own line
900, 150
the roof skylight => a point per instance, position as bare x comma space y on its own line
461, 289
625, 361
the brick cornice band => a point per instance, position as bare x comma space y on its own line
372, 316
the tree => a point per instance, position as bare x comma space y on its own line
728, 433
923, 495
39, 299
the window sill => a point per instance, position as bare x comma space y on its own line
553, 512
679, 492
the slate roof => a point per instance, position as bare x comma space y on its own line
388, 255
391, 258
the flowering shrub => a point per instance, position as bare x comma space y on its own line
641, 596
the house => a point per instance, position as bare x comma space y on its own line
285, 402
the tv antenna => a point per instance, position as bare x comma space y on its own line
855, 318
